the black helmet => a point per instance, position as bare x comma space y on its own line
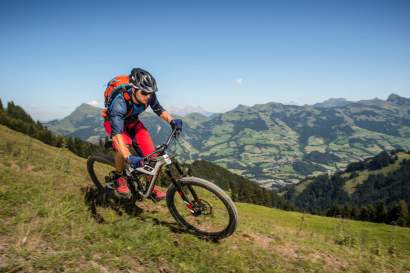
143, 80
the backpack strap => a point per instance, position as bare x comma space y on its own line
121, 90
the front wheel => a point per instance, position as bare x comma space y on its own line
203, 208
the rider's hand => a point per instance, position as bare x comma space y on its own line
176, 124
135, 161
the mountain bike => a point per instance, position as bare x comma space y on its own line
196, 204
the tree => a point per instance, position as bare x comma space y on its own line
354, 213
39, 125
404, 214
334, 211
70, 144
78, 146
17, 112
10, 107
1, 106
370, 210
399, 214
346, 211
380, 212
381, 160
59, 141
367, 213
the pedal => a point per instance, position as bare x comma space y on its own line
111, 185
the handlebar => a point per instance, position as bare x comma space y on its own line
164, 146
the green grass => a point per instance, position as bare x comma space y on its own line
46, 226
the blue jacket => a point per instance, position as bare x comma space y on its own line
121, 112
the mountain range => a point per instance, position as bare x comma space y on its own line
273, 143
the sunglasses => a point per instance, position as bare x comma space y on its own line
145, 93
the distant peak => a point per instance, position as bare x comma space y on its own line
336, 99
333, 102
393, 96
396, 99
241, 107
84, 106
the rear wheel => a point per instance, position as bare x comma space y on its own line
209, 212
98, 166
103, 203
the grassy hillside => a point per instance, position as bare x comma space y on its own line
45, 226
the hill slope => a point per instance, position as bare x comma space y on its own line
45, 226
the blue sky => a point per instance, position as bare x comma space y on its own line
55, 55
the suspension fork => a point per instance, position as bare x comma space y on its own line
178, 186
179, 169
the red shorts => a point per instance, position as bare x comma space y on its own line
135, 131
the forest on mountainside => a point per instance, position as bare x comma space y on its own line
382, 196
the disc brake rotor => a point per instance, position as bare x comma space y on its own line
202, 208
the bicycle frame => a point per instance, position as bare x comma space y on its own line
151, 171
161, 159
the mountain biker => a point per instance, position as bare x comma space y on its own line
123, 106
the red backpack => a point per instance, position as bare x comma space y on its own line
115, 85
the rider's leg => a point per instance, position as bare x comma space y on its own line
119, 162
142, 138
145, 146
119, 159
